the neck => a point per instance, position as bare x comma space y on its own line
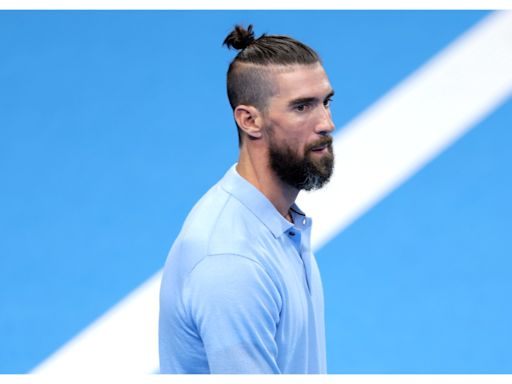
255, 168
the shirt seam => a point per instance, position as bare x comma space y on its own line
208, 246
187, 279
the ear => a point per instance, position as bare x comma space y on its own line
249, 120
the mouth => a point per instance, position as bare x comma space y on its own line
320, 148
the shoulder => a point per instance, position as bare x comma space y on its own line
220, 224
217, 224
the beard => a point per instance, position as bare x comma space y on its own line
307, 172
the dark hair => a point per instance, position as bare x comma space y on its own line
248, 79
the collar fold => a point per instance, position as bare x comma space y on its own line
256, 202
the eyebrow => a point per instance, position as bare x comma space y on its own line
309, 100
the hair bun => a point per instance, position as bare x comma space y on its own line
240, 38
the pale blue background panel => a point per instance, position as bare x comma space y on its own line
112, 125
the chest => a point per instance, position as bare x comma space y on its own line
302, 296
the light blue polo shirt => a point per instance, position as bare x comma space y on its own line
241, 291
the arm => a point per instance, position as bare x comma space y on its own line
235, 307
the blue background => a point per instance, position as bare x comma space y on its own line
113, 123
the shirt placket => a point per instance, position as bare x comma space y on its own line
296, 237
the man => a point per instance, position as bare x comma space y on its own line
241, 291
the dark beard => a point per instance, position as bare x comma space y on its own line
303, 173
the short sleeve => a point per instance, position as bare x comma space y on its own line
235, 306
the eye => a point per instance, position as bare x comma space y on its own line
301, 107
327, 102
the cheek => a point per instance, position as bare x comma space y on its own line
290, 131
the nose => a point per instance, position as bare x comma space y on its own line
325, 125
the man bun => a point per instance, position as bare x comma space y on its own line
240, 38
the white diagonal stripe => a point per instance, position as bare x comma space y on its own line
122, 341
413, 123
375, 153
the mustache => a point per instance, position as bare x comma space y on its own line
324, 141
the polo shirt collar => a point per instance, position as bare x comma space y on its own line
256, 202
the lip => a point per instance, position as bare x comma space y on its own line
322, 145
320, 148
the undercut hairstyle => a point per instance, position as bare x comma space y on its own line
249, 77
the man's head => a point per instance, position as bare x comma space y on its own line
280, 96
250, 74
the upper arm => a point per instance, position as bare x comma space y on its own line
235, 307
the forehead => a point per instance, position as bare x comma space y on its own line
301, 81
